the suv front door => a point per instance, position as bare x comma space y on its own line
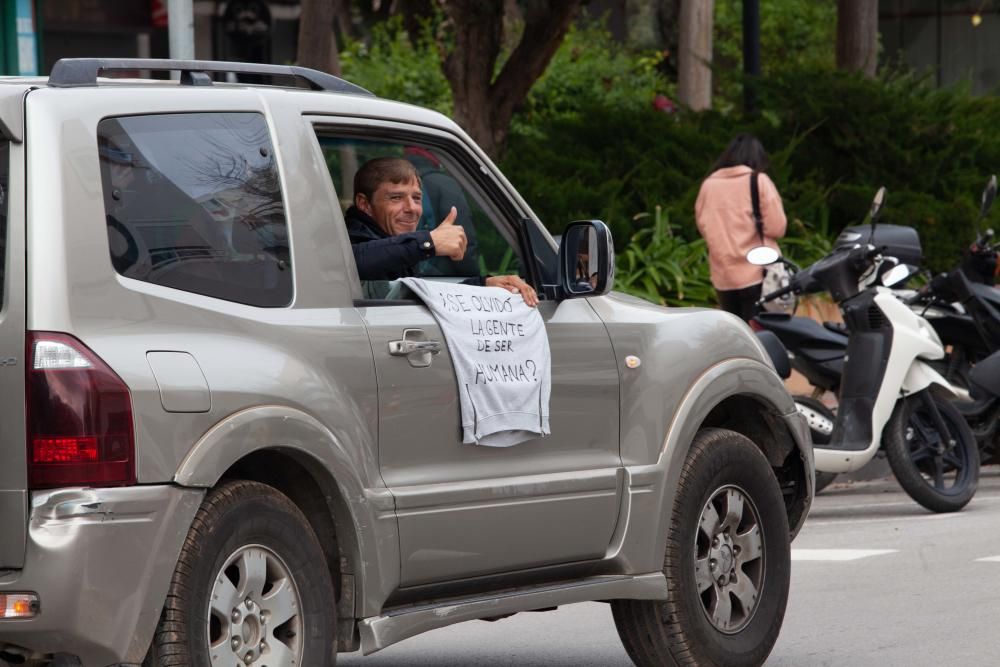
467, 510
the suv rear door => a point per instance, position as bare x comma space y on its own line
13, 467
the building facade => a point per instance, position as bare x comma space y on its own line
951, 40
240, 30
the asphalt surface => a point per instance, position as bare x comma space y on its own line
876, 580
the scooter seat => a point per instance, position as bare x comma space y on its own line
836, 327
777, 352
984, 378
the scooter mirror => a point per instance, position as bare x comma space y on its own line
877, 203
989, 194
896, 275
763, 255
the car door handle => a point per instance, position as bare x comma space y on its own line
402, 348
418, 352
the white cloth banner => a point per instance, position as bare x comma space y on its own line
500, 352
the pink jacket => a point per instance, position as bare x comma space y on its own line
724, 215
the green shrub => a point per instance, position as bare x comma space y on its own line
932, 148
660, 266
834, 139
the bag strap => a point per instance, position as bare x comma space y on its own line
758, 219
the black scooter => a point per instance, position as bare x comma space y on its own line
963, 306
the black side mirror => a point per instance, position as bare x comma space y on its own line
586, 259
989, 194
877, 204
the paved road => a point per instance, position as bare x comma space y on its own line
876, 580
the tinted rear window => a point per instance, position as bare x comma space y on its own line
193, 202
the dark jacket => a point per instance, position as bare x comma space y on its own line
383, 257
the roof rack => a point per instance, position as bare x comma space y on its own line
74, 72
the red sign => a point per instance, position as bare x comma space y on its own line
159, 9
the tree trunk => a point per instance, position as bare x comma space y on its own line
317, 46
484, 106
694, 54
857, 36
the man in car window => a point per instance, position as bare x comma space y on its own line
383, 228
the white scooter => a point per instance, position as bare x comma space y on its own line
889, 394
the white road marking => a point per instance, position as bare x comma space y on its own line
820, 522
990, 559
840, 506
837, 554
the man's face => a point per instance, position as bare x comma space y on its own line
395, 207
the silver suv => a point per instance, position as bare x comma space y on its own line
214, 449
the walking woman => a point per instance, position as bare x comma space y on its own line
725, 216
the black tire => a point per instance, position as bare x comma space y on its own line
942, 479
819, 437
823, 480
245, 530
720, 466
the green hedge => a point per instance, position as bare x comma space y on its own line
834, 139
932, 148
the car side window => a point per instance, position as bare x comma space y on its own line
445, 182
193, 202
4, 184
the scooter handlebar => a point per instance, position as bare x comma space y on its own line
776, 294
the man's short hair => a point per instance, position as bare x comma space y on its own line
381, 170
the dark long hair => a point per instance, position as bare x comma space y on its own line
743, 150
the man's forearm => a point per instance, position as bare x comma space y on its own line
390, 258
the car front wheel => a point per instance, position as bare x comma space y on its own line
727, 563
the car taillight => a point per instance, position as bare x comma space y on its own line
79, 416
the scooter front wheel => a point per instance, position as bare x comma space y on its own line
932, 452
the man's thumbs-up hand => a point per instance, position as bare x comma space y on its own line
449, 238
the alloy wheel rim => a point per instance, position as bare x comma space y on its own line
254, 614
729, 559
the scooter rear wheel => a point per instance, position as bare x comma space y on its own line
932, 452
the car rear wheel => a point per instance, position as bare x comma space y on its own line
251, 587
727, 563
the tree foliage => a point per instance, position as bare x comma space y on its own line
393, 66
592, 70
791, 31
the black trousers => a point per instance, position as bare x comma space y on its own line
740, 302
